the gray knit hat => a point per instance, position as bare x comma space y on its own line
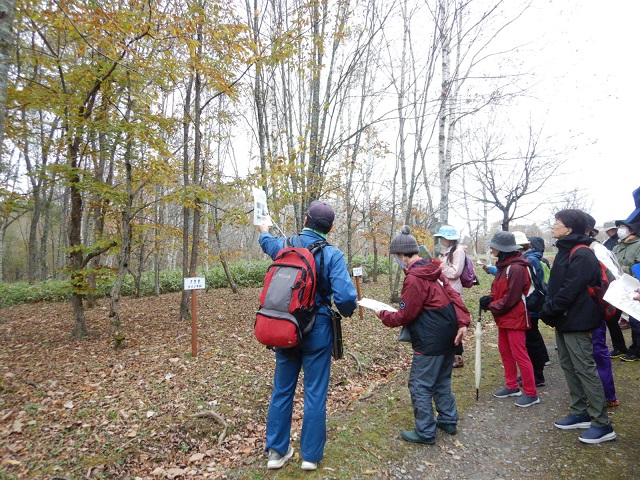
404, 242
504, 242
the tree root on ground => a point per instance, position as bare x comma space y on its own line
217, 418
358, 364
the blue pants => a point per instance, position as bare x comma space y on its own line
430, 382
313, 355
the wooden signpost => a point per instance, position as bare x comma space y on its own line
195, 284
357, 273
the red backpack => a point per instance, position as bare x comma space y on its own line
606, 277
287, 302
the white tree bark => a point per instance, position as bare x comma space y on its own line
7, 11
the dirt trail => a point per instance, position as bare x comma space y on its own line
497, 440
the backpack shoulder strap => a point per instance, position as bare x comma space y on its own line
314, 248
573, 250
288, 242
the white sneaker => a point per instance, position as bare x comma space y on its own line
276, 460
309, 465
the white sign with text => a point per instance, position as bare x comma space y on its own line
194, 283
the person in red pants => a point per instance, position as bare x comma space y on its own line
507, 304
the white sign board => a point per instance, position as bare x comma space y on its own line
194, 283
260, 210
357, 272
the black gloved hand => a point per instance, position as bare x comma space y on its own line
485, 301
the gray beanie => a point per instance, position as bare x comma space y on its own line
404, 242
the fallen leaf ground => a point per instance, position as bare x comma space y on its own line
80, 409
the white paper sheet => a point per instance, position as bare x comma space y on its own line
375, 305
620, 294
260, 210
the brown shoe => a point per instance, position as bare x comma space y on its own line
458, 361
613, 403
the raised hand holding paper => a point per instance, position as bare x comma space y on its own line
375, 305
260, 210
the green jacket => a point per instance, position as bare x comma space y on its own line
628, 253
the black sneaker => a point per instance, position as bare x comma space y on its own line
615, 353
629, 357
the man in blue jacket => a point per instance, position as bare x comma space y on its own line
313, 354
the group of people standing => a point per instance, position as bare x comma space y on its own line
572, 306
432, 309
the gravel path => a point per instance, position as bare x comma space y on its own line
497, 440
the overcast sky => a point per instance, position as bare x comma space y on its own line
587, 58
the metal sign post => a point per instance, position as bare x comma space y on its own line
194, 284
357, 273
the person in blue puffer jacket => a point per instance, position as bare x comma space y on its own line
535, 343
313, 354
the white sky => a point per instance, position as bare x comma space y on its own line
586, 52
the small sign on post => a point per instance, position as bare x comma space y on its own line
194, 283
357, 273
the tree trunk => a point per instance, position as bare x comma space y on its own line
3, 232
75, 243
313, 170
223, 260
125, 247
7, 12
186, 211
444, 168
156, 243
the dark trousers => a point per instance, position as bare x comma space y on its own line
537, 350
634, 348
429, 384
617, 339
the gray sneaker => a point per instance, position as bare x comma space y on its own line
526, 401
505, 392
276, 461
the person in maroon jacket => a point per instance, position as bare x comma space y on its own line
507, 303
437, 320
